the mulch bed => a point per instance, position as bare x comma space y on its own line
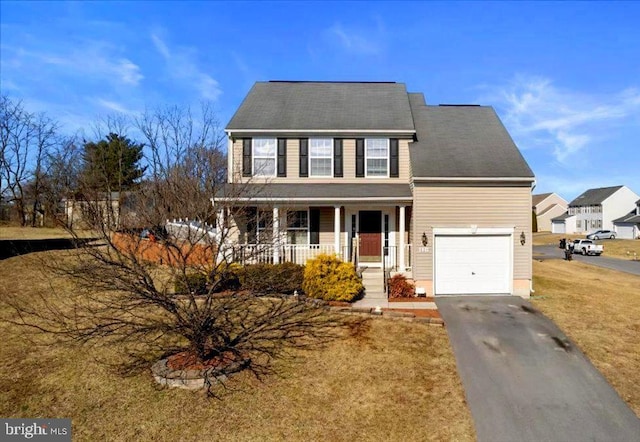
413, 299
421, 313
186, 360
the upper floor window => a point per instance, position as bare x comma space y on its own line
264, 156
377, 157
320, 157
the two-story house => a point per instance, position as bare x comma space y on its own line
547, 206
596, 209
628, 226
373, 174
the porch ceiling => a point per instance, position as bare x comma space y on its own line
318, 192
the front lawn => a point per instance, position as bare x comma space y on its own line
388, 380
599, 309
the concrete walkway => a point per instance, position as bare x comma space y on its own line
524, 380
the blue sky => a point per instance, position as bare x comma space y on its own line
564, 77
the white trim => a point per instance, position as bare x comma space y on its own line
523, 179
401, 234
353, 199
336, 229
366, 158
331, 157
327, 131
253, 157
473, 231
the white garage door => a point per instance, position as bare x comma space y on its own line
558, 228
472, 264
625, 231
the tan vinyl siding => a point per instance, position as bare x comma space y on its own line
349, 165
326, 225
463, 206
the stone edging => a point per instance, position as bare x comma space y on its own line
388, 314
188, 379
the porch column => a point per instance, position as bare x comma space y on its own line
336, 229
401, 264
276, 235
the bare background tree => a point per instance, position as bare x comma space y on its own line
173, 288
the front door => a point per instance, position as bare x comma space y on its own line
370, 236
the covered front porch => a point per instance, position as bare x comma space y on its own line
371, 235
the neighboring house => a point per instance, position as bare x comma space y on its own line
547, 206
628, 226
371, 173
596, 209
564, 223
84, 211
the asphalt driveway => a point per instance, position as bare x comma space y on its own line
622, 265
524, 380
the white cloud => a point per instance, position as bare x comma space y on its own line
359, 40
353, 41
181, 65
92, 59
539, 114
115, 107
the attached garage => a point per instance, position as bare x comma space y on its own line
473, 264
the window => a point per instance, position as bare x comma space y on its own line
377, 157
265, 225
320, 157
264, 156
297, 227
579, 224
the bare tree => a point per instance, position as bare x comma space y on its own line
16, 136
176, 290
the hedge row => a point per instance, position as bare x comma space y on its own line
325, 277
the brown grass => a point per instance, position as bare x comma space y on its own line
617, 248
13, 232
390, 380
599, 309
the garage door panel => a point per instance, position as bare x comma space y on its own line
472, 264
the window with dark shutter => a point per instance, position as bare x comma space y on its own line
304, 157
394, 170
251, 214
246, 157
314, 225
282, 157
360, 157
337, 158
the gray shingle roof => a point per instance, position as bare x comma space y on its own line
562, 217
594, 196
314, 192
464, 141
628, 218
300, 106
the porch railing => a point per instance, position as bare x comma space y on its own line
266, 253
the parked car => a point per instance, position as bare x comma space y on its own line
587, 247
602, 234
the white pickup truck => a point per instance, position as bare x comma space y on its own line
587, 247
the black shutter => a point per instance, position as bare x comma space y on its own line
394, 171
282, 157
304, 157
359, 157
252, 224
246, 157
314, 226
337, 158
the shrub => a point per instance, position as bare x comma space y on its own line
399, 287
226, 277
273, 278
195, 283
326, 277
